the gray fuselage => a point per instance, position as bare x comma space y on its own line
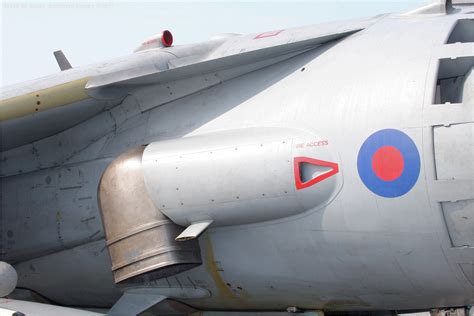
361, 251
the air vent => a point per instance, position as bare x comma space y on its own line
463, 32
452, 78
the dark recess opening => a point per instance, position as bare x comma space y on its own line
463, 32
452, 79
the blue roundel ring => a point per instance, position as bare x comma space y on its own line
411, 160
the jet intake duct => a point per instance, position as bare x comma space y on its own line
140, 239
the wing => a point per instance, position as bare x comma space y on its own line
236, 51
46, 106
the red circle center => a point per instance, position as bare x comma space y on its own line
387, 163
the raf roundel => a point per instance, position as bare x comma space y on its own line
389, 163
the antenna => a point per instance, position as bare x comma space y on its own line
63, 63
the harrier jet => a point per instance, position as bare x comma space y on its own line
319, 169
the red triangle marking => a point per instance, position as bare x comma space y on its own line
296, 165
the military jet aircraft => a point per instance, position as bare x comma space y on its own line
320, 169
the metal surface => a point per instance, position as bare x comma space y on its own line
140, 239
362, 251
8, 279
163, 39
133, 304
63, 63
454, 158
37, 309
138, 299
243, 176
193, 231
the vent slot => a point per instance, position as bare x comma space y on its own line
463, 32
309, 171
452, 78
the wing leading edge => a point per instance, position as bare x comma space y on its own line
43, 107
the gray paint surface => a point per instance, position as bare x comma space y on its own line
359, 252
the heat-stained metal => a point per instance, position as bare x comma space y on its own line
140, 239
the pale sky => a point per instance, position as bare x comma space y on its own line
92, 31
